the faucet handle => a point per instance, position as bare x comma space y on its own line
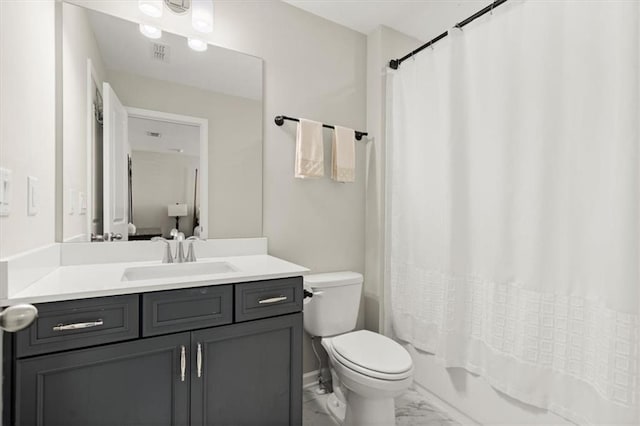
191, 253
177, 235
168, 257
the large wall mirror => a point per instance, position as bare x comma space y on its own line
159, 136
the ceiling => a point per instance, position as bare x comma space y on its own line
123, 48
173, 137
421, 19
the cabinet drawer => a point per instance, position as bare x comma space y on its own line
268, 298
180, 310
80, 323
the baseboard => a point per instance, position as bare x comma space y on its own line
443, 406
310, 379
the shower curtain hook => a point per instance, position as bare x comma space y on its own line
491, 11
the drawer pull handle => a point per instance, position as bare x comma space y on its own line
183, 362
199, 360
272, 300
78, 325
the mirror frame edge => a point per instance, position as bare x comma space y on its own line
59, 140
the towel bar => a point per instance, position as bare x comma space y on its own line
279, 120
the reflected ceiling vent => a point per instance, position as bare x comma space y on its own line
154, 134
160, 52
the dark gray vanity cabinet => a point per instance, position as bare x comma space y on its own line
168, 365
126, 384
250, 373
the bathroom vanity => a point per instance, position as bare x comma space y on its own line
203, 355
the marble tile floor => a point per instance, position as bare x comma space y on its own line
411, 410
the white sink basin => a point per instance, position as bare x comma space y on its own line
176, 270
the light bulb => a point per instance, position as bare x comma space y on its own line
151, 8
202, 15
197, 45
150, 31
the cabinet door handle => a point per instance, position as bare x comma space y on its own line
183, 363
272, 300
78, 325
199, 360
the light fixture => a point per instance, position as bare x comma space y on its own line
150, 31
202, 15
197, 44
151, 8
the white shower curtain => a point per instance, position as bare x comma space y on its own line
513, 218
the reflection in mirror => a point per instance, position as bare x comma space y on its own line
164, 168
158, 138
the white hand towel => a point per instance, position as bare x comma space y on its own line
309, 150
343, 157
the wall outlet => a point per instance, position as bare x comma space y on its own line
32, 196
5, 191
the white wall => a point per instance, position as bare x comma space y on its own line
160, 179
235, 146
27, 120
78, 45
27, 123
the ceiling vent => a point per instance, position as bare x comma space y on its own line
153, 134
160, 52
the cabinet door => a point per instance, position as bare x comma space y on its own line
251, 374
134, 383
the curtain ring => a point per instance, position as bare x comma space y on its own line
491, 11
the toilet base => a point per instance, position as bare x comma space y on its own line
369, 412
360, 411
336, 408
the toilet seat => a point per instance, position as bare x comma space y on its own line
372, 354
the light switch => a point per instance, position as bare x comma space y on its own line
5, 192
82, 203
32, 196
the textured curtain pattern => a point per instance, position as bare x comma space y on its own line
513, 233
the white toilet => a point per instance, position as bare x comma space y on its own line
368, 369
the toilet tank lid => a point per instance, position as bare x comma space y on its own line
332, 279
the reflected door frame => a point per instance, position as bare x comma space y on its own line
203, 173
92, 81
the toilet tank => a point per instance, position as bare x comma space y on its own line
333, 309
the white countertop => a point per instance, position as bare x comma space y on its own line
97, 280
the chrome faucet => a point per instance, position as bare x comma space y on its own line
180, 257
191, 253
168, 257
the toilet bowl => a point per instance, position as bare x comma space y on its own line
369, 370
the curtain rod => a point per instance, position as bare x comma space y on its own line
279, 120
395, 63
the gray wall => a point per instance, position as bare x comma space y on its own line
314, 69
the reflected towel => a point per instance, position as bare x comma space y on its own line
309, 150
343, 157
